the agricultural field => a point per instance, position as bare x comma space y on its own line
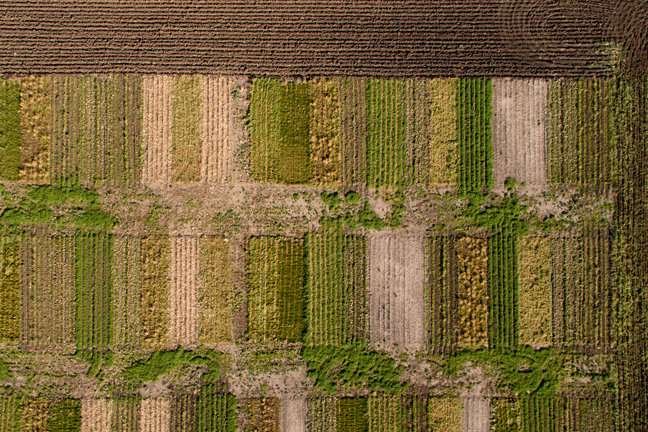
298, 216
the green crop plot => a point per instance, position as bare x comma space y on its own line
10, 137
503, 290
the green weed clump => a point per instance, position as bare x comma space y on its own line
162, 362
352, 366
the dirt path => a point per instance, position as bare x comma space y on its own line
96, 415
155, 415
157, 131
396, 311
519, 131
184, 290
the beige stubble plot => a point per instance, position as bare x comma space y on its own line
96, 415
293, 415
519, 131
476, 416
217, 128
157, 131
155, 415
396, 274
184, 288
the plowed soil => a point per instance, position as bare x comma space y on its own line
413, 38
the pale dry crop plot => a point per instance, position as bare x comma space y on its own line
184, 291
476, 414
48, 292
96, 415
519, 131
293, 415
155, 415
126, 283
215, 287
157, 129
219, 126
396, 275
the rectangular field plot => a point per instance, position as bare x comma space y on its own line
48, 291
519, 131
261, 415
325, 130
561, 413
476, 414
279, 131
396, 279
93, 283
337, 291
184, 290
293, 414
442, 291
503, 290
10, 413
472, 270
10, 154
445, 413
127, 331
353, 130
399, 412
155, 292
337, 414
474, 99
126, 414
10, 286
276, 276
505, 415
581, 275
443, 156
536, 301
579, 148
96, 415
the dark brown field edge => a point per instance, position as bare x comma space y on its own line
309, 38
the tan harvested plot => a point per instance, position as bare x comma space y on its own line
157, 129
534, 255
96, 415
396, 276
216, 287
155, 415
472, 266
184, 291
519, 131
325, 130
126, 285
476, 414
48, 292
126, 415
36, 128
217, 128
155, 292
444, 154
34, 415
293, 415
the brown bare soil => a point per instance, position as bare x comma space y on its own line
157, 129
396, 275
519, 131
155, 415
414, 38
96, 415
48, 292
184, 291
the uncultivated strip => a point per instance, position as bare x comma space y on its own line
476, 414
519, 131
294, 412
396, 276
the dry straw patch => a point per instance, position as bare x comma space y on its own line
216, 287
325, 130
535, 291
155, 292
36, 128
472, 265
444, 154
34, 415
186, 141
445, 414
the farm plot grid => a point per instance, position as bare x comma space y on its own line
297, 216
